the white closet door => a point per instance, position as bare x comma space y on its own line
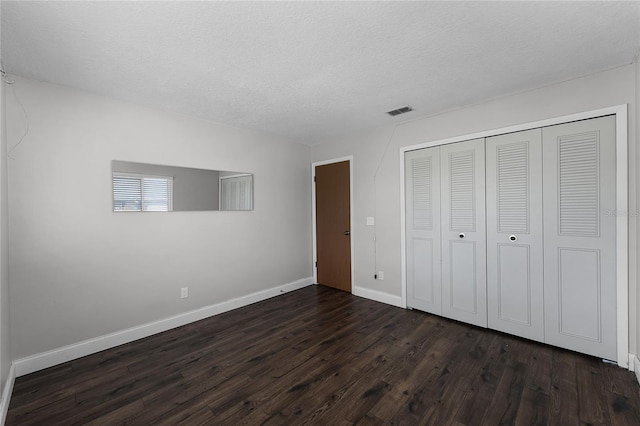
236, 193
514, 234
422, 195
464, 292
579, 186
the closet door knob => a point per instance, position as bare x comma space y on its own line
461, 235
513, 238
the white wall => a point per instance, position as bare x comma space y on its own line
78, 270
634, 229
5, 344
376, 167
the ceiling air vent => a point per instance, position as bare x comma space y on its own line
399, 111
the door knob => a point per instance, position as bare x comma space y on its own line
513, 238
461, 235
346, 233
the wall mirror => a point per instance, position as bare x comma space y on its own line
140, 187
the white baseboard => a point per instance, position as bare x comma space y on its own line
636, 367
378, 296
7, 390
57, 356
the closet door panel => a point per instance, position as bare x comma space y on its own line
422, 223
463, 232
514, 234
579, 237
510, 290
462, 276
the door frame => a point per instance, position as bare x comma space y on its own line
624, 358
348, 158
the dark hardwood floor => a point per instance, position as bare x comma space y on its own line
323, 356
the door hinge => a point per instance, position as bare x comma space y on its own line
314, 178
316, 264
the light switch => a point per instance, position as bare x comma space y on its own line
370, 221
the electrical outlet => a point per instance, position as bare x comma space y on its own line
184, 292
380, 275
370, 221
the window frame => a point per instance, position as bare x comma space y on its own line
142, 177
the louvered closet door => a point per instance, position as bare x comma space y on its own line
514, 234
422, 195
579, 236
464, 295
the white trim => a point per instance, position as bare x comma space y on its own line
403, 240
348, 158
622, 237
87, 347
140, 175
622, 205
378, 296
7, 390
236, 175
519, 127
636, 366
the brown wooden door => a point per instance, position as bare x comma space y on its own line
333, 225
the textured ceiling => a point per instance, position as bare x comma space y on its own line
311, 72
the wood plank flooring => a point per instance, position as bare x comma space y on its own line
322, 356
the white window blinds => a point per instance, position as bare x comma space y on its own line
142, 193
